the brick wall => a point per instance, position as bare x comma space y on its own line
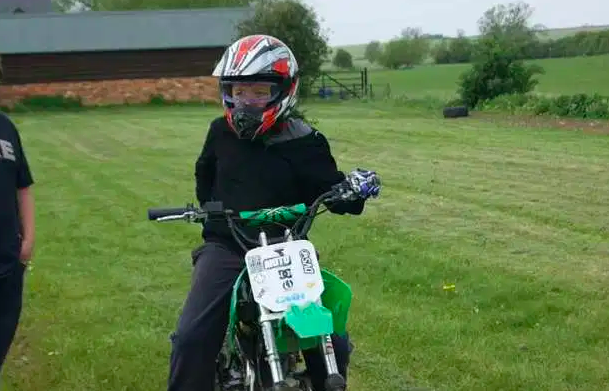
118, 91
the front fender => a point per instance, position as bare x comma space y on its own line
336, 298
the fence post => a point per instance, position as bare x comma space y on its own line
362, 83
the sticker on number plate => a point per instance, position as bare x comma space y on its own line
289, 271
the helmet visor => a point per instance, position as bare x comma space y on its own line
250, 94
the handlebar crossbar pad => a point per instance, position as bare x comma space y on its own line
154, 214
281, 214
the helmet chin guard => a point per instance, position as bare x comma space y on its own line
246, 121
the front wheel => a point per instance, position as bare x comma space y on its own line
305, 384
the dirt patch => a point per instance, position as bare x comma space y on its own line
537, 121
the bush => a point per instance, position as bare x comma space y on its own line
62, 103
580, 105
497, 75
342, 59
45, 103
576, 106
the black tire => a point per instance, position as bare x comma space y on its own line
455, 112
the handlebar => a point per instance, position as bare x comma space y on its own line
300, 214
154, 214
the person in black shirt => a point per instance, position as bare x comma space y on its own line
16, 229
260, 154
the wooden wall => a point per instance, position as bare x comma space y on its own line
108, 65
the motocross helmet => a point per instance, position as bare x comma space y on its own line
258, 76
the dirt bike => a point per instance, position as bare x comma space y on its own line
282, 302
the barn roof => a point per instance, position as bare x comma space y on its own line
119, 30
29, 6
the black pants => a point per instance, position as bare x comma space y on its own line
204, 320
11, 296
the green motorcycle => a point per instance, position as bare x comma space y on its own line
283, 302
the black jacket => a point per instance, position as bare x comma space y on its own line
292, 166
14, 174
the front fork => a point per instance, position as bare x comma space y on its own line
334, 381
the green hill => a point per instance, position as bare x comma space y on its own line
357, 50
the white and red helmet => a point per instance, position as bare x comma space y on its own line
258, 59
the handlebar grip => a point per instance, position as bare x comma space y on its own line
154, 214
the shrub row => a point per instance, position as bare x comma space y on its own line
577, 106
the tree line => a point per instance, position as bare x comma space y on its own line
413, 47
583, 43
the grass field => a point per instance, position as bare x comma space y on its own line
516, 218
562, 76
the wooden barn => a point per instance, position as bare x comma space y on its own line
87, 46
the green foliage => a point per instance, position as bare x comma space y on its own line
509, 24
498, 74
373, 51
45, 103
342, 59
454, 50
408, 50
585, 43
578, 106
295, 24
498, 68
37, 103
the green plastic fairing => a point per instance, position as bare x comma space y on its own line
282, 214
309, 321
301, 328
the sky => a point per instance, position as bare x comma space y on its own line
359, 21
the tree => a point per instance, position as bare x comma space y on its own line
461, 48
441, 52
412, 32
128, 5
408, 50
373, 51
342, 59
454, 50
498, 68
297, 26
508, 25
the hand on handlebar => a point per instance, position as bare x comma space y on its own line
360, 183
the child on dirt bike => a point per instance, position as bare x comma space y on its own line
258, 155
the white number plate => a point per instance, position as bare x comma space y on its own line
283, 274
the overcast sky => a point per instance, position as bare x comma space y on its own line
359, 21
